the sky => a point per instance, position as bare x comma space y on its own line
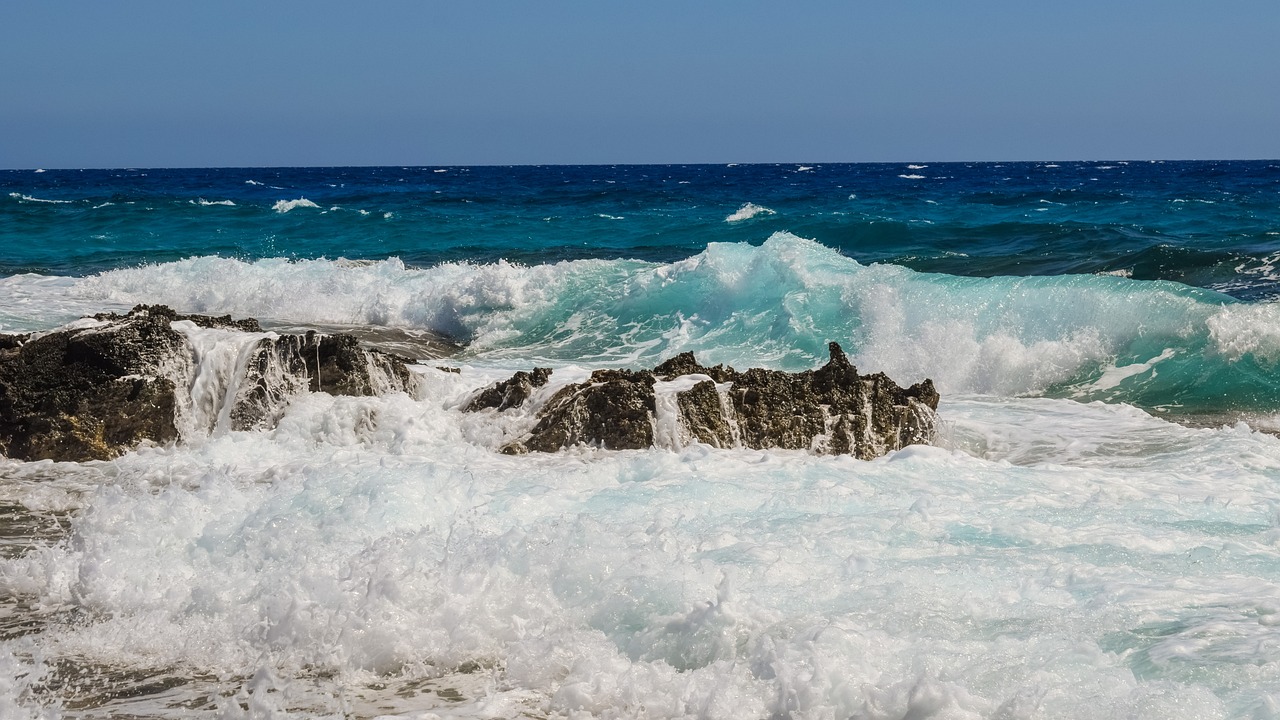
149, 83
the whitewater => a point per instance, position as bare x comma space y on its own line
1096, 533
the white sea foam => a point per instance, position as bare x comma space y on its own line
917, 167
1064, 560
39, 170
748, 211
1114, 375
610, 217
284, 206
207, 203
28, 198
252, 182
912, 177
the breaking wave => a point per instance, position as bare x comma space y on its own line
1157, 344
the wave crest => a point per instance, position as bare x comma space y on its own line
748, 211
284, 206
774, 305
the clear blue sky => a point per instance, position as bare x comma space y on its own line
151, 83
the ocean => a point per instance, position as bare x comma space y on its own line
1096, 533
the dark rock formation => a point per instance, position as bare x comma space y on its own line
280, 367
80, 394
832, 409
91, 393
614, 409
509, 393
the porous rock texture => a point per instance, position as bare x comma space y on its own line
829, 410
93, 390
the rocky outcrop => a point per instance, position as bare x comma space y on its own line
100, 387
509, 393
829, 410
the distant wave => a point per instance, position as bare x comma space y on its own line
912, 177
207, 203
28, 198
748, 211
284, 206
917, 167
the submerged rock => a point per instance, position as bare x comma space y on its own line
102, 386
829, 410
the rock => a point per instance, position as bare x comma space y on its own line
83, 394
613, 409
278, 368
509, 393
704, 416
829, 410
93, 391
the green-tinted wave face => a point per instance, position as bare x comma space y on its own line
1156, 344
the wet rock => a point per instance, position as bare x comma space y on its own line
829, 410
94, 390
613, 409
509, 393
281, 367
704, 415
84, 394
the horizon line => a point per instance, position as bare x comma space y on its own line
813, 163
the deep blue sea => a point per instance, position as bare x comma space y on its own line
1096, 535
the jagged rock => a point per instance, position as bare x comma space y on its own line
509, 393
613, 409
832, 409
80, 394
164, 312
91, 392
278, 368
704, 416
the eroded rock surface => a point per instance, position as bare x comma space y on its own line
103, 386
830, 410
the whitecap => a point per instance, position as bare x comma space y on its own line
610, 217
284, 206
917, 167
912, 177
748, 211
28, 198
207, 203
